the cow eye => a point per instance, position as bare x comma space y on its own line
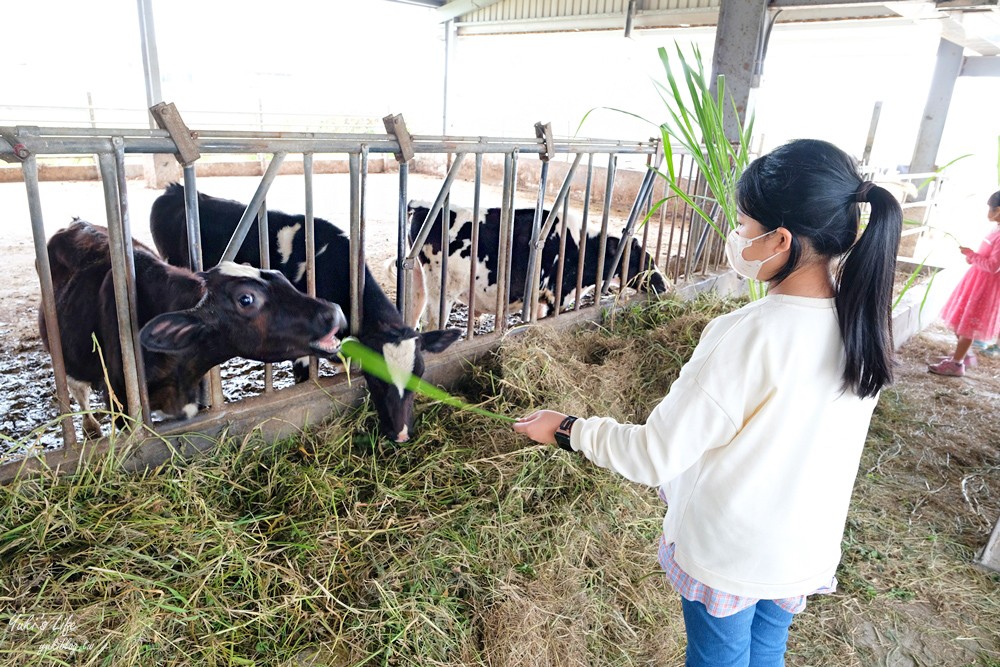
245, 300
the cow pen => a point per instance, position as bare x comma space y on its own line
591, 178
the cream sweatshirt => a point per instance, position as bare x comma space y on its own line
756, 447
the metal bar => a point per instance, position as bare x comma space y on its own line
357, 250
193, 218
256, 143
123, 207
425, 229
531, 288
445, 247
510, 234
264, 250
240, 233
581, 261
602, 246
401, 236
30, 170
562, 256
310, 232
502, 243
474, 250
120, 269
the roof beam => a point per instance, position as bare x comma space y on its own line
458, 7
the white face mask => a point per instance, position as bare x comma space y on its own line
735, 245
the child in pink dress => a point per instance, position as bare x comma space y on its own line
973, 309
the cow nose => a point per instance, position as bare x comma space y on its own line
403, 435
330, 317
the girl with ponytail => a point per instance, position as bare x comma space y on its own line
756, 446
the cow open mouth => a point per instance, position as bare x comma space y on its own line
328, 344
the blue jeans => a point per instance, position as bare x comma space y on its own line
754, 637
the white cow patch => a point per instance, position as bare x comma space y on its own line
285, 237
239, 270
399, 358
300, 273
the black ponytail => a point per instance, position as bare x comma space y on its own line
813, 189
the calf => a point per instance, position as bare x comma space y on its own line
382, 327
190, 322
641, 271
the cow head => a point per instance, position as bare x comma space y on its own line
403, 349
244, 312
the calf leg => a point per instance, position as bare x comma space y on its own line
300, 369
80, 391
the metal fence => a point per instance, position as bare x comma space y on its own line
675, 238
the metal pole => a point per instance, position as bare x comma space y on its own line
120, 270
602, 247
264, 250
357, 252
401, 236
193, 218
582, 252
150, 58
510, 233
474, 250
531, 287
502, 243
30, 170
310, 232
445, 246
240, 233
123, 207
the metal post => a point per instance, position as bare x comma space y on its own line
240, 233
445, 233
401, 236
310, 232
357, 249
535, 247
123, 207
510, 233
121, 269
264, 250
602, 246
474, 250
582, 252
626, 237
502, 252
193, 217
30, 170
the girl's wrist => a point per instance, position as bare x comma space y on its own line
563, 432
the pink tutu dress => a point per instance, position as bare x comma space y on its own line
973, 309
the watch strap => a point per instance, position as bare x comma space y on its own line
563, 433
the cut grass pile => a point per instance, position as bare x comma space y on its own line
468, 545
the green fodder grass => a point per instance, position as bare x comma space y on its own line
466, 546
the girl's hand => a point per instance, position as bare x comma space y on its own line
965, 251
540, 426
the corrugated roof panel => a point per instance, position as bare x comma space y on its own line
526, 10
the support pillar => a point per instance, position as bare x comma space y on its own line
946, 72
738, 48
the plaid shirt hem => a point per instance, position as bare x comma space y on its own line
719, 603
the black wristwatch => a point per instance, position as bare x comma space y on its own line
562, 433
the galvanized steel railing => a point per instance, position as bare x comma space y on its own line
24, 144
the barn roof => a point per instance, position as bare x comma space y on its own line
974, 24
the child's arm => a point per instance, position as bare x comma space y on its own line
989, 261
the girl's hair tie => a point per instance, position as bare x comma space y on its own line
861, 194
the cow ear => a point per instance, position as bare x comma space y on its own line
171, 333
438, 341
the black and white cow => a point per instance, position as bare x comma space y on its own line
190, 322
382, 327
642, 273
